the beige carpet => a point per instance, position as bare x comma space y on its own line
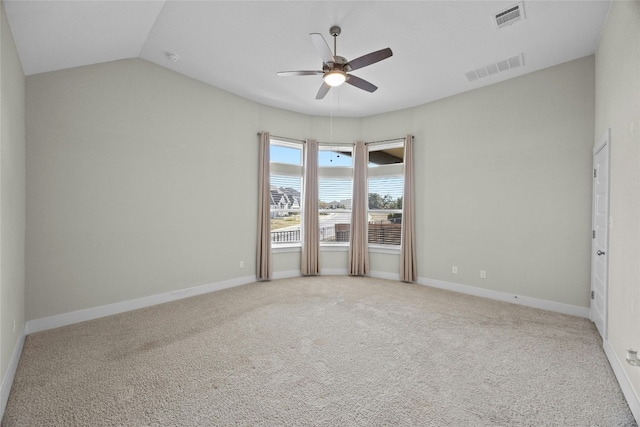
326, 351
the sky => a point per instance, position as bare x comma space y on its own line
293, 156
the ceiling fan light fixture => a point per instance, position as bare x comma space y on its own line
335, 77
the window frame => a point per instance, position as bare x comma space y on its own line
287, 170
335, 172
384, 171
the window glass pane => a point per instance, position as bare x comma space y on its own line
285, 153
386, 192
335, 156
386, 154
285, 209
285, 227
334, 227
335, 209
384, 228
334, 193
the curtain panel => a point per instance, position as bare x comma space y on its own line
358, 248
310, 261
408, 270
263, 259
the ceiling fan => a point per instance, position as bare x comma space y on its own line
335, 68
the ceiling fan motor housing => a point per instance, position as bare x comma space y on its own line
339, 64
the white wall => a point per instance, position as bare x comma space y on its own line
503, 183
618, 108
12, 197
141, 181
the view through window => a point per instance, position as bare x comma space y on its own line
286, 192
335, 186
335, 189
386, 183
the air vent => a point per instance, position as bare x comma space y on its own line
509, 15
498, 67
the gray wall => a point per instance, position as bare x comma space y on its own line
142, 181
12, 194
618, 108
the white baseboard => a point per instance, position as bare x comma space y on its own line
385, 275
334, 272
557, 307
286, 274
7, 381
623, 380
65, 319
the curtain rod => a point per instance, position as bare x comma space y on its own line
284, 138
386, 140
336, 143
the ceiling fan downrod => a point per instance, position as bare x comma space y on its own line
335, 32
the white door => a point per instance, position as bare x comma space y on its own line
600, 224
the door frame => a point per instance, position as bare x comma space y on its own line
603, 144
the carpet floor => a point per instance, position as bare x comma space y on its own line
321, 351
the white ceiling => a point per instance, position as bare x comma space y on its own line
240, 45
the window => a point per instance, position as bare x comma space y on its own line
386, 183
335, 187
286, 192
335, 183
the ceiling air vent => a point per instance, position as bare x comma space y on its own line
509, 15
498, 67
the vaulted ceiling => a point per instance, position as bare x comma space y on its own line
239, 46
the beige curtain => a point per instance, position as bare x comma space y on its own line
263, 265
408, 270
310, 262
358, 249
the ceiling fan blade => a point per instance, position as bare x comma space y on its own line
323, 90
299, 73
322, 48
369, 58
361, 83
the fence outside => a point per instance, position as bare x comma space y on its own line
380, 234
327, 234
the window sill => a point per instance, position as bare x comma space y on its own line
386, 249
281, 249
335, 248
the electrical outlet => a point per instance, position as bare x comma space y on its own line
241, 264
454, 269
14, 324
483, 274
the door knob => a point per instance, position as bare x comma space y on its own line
600, 252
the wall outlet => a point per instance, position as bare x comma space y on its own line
14, 324
483, 274
241, 264
454, 269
